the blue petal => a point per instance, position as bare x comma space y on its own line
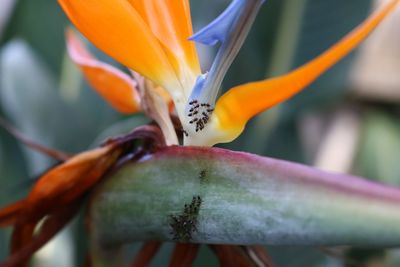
218, 30
198, 87
230, 30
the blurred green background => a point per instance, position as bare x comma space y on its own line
347, 121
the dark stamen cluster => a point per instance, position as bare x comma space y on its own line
200, 114
183, 225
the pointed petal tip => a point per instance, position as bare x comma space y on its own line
237, 106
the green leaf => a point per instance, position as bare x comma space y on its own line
12, 172
5, 12
41, 23
29, 98
219, 196
380, 147
323, 24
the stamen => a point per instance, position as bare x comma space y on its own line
200, 114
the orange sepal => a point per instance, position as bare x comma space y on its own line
146, 254
61, 186
68, 181
116, 28
171, 23
25, 241
184, 255
116, 87
9, 214
241, 103
22, 234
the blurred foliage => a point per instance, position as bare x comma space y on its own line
45, 97
41, 23
380, 147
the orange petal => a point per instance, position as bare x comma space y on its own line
69, 180
115, 27
146, 254
241, 103
184, 255
112, 84
22, 234
9, 214
25, 244
171, 23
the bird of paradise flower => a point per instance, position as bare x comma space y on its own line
154, 40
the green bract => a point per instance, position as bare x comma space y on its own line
218, 196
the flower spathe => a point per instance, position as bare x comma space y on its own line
155, 39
